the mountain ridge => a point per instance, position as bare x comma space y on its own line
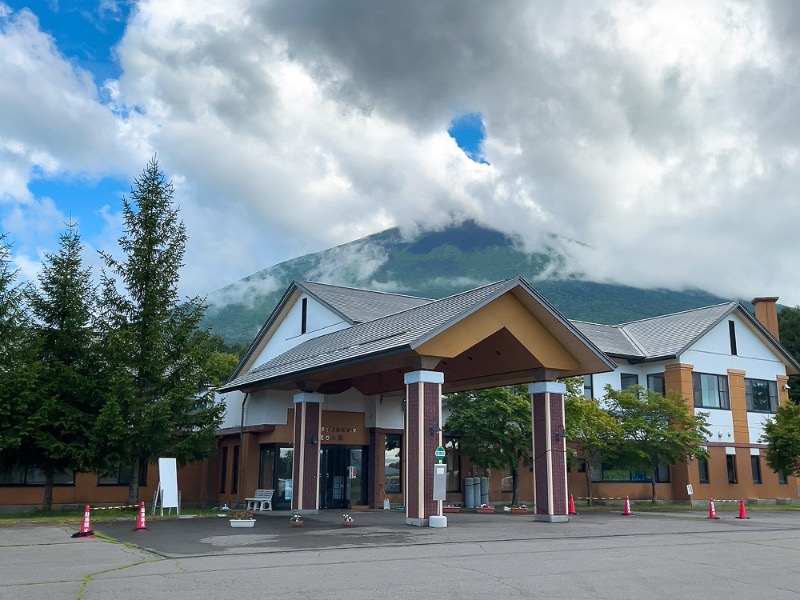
436, 264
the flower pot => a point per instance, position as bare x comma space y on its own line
297, 524
519, 511
348, 523
451, 509
242, 522
485, 511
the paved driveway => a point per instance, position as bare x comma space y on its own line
594, 556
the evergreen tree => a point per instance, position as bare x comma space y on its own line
18, 365
158, 405
789, 325
59, 425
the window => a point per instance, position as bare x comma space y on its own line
122, 474
610, 471
588, 387
235, 470
655, 382
731, 462
21, 476
732, 335
710, 391
283, 471
628, 380
782, 478
761, 395
223, 469
755, 466
702, 468
304, 315
452, 459
266, 471
392, 462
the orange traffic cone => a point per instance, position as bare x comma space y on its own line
742, 511
141, 521
86, 526
712, 512
572, 510
627, 511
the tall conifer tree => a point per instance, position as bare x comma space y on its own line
160, 404
18, 365
59, 426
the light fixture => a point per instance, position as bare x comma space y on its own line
560, 434
314, 440
434, 429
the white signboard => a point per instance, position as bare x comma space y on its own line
168, 482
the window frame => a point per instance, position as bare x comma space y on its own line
703, 474
720, 382
730, 464
772, 395
755, 468
399, 439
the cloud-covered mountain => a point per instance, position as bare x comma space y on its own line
436, 264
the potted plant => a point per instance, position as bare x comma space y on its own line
519, 510
485, 509
451, 508
296, 520
347, 521
242, 518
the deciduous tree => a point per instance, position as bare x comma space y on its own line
656, 429
494, 426
782, 436
592, 432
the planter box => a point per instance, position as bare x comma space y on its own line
348, 523
451, 509
297, 523
485, 511
519, 511
242, 522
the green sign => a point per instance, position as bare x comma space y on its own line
440, 453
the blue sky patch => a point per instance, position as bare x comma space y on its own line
469, 132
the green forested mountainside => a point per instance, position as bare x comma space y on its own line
435, 265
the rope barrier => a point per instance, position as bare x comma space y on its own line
114, 507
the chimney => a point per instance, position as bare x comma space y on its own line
767, 314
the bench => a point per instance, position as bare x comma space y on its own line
261, 499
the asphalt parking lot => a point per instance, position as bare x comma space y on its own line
599, 555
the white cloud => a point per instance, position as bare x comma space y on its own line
663, 135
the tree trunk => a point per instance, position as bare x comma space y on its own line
47, 501
515, 484
588, 485
133, 488
653, 485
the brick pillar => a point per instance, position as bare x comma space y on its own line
305, 468
423, 436
549, 451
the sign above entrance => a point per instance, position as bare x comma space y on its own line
440, 453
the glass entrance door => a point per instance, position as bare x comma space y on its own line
342, 479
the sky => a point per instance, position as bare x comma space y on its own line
658, 140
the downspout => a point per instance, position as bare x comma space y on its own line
241, 451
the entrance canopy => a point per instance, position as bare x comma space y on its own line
501, 334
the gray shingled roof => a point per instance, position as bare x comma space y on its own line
656, 337
391, 333
360, 306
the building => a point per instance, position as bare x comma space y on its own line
338, 401
728, 364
